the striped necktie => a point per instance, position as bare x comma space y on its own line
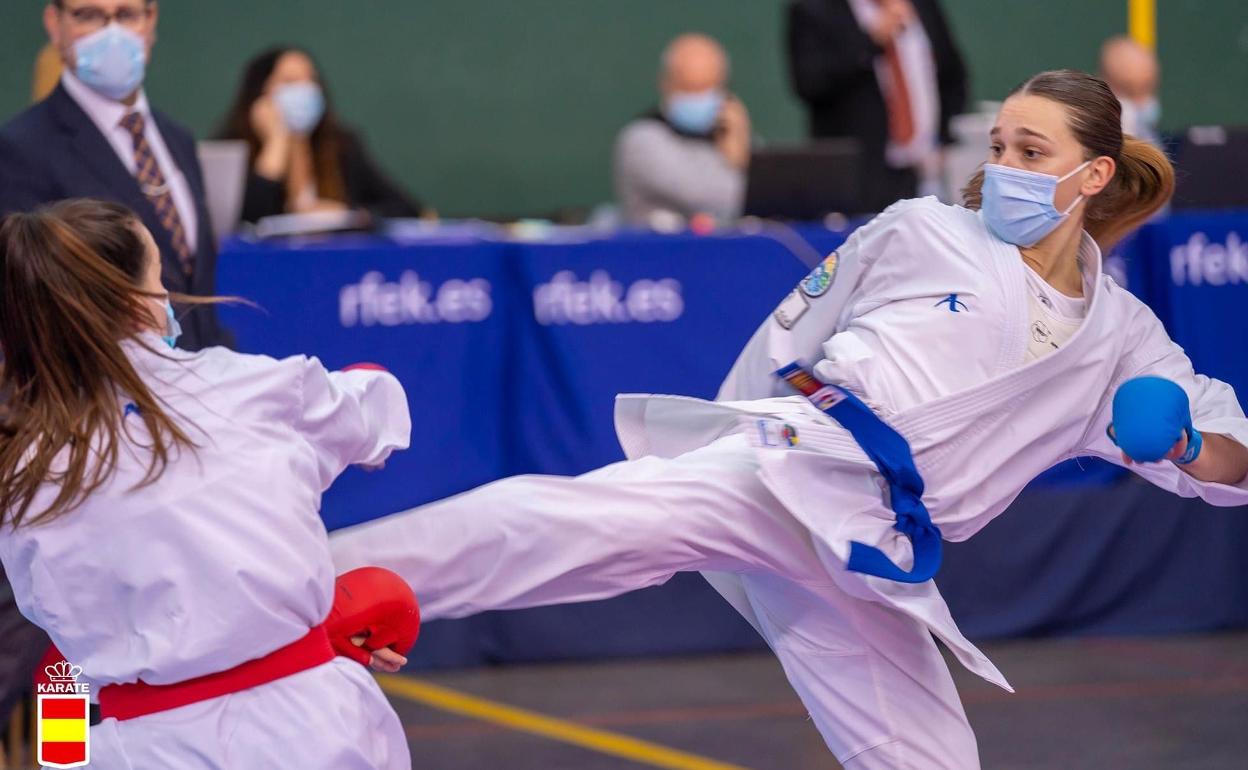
157, 190
897, 92
900, 118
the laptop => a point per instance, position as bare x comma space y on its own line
805, 182
225, 181
1211, 164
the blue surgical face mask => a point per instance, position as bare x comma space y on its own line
1140, 118
173, 329
1018, 205
111, 61
694, 113
302, 105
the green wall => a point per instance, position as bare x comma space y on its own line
510, 107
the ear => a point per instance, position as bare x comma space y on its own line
1100, 172
52, 25
151, 28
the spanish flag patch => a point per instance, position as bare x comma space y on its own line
62, 731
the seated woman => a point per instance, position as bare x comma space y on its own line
302, 159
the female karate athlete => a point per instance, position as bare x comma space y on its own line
972, 347
160, 511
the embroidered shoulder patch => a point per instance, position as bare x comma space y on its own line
820, 279
791, 309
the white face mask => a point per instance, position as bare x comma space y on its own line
1018, 205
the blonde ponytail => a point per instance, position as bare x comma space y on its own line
1143, 183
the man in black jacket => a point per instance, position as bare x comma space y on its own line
95, 136
884, 72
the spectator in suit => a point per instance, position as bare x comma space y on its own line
1132, 73
96, 136
885, 72
688, 155
302, 159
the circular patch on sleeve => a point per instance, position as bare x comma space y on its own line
820, 279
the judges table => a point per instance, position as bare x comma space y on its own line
512, 350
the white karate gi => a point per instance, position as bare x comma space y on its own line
926, 318
222, 560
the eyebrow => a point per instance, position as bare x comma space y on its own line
996, 131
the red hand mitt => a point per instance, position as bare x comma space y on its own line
378, 604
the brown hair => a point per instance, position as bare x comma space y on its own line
1144, 179
327, 138
69, 277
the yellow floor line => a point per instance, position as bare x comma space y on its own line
614, 744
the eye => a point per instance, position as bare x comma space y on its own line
995, 149
1031, 153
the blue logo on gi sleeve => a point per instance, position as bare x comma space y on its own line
953, 303
820, 279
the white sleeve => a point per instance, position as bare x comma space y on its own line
1215, 409
351, 418
812, 313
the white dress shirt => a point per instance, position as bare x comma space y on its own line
107, 114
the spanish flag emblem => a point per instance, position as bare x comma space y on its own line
62, 732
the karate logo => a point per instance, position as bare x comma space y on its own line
953, 304
820, 279
62, 736
772, 433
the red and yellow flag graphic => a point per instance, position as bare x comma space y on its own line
62, 732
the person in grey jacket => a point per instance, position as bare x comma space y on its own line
689, 155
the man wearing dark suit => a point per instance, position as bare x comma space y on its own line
95, 136
885, 72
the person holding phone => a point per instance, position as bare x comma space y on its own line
302, 158
687, 156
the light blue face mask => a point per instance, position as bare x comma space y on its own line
302, 105
1140, 118
111, 62
1018, 205
173, 329
694, 113
1149, 112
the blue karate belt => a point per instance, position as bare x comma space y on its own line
891, 454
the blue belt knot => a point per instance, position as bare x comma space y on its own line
890, 452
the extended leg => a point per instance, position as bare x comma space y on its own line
532, 540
